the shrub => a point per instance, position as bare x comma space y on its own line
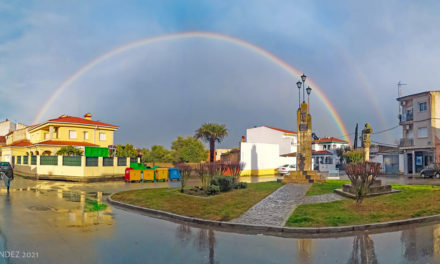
353, 156
241, 185
226, 183
212, 190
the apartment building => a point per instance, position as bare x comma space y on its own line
420, 120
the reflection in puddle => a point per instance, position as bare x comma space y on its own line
90, 212
422, 243
304, 250
80, 210
363, 250
204, 240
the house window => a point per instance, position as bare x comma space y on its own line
102, 136
325, 146
86, 135
46, 135
72, 134
423, 107
422, 132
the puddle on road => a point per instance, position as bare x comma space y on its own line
70, 209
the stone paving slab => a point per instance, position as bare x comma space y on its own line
323, 198
276, 208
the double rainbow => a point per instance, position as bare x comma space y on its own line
197, 34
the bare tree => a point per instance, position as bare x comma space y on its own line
362, 175
185, 172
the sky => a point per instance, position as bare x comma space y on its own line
355, 51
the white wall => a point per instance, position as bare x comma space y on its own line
334, 145
287, 144
402, 163
260, 156
6, 127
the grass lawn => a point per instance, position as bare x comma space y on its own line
326, 187
412, 201
224, 207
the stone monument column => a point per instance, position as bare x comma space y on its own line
304, 128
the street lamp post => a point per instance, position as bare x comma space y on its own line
298, 84
309, 90
303, 79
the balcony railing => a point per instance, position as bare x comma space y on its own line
406, 117
406, 142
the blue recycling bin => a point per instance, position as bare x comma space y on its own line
174, 174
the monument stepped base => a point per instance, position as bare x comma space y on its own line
303, 177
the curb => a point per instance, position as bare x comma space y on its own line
237, 227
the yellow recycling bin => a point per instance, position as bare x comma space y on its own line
135, 175
161, 174
149, 175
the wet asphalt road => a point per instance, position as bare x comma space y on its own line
51, 222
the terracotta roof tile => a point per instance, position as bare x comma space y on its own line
66, 143
20, 143
329, 140
79, 120
282, 130
76, 120
322, 152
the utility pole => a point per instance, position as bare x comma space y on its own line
356, 137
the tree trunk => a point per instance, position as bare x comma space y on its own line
211, 150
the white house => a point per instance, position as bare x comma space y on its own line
324, 156
263, 147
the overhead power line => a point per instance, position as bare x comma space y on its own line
385, 130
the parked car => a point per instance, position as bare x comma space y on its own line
430, 171
6, 168
286, 169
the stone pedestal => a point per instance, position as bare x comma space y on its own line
303, 177
375, 189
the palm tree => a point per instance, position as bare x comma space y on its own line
211, 132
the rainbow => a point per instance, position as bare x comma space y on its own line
197, 34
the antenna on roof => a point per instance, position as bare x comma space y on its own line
399, 91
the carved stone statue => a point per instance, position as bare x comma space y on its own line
366, 142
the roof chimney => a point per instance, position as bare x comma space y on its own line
88, 116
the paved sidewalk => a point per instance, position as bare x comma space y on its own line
323, 198
276, 208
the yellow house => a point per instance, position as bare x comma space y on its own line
48, 137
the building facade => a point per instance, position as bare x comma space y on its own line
262, 150
420, 120
48, 137
324, 153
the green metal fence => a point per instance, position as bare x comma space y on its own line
18, 159
25, 159
33, 160
72, 161
133, 160
122, 161
92, 161
48, 160
106, 161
